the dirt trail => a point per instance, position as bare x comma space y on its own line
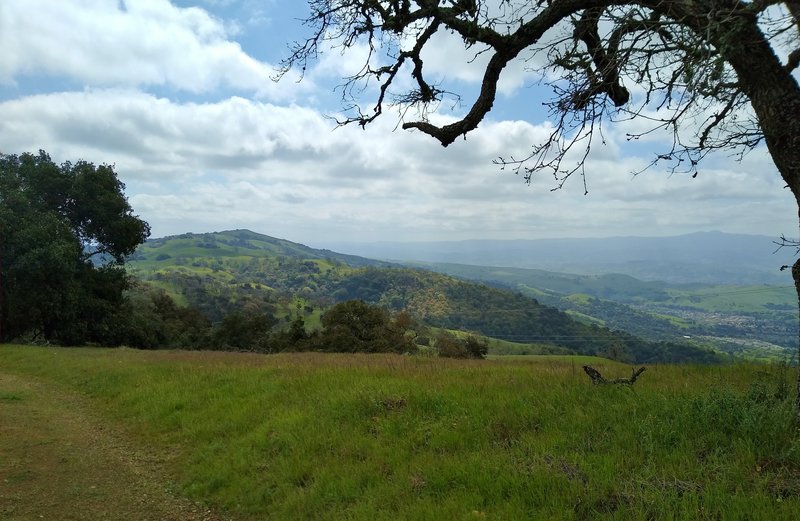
59, 461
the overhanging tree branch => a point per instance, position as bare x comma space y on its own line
707, 74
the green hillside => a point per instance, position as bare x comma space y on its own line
219, 273
456, 304
235, 243
752, 321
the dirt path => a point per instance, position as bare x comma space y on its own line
58, 461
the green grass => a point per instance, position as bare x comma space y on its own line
11, 396
583, 317
314, 436
502, 348
735, 298
675, 321
580, 299
559, 359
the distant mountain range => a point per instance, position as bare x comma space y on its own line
705, 257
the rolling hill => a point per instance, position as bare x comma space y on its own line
235, 243
757, 321
219, 272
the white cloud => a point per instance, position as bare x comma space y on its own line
154, 135
135, 43
282, 169
285, 171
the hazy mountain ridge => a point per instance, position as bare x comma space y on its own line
703, 257
614, 286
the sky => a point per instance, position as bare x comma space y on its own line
178, 96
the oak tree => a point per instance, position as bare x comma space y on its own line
65, 231
715, 74
357, 327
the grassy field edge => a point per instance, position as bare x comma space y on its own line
313, 436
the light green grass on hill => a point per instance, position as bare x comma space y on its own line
735, 298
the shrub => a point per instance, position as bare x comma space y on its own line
470, 347
355, 326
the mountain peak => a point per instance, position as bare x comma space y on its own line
237, 243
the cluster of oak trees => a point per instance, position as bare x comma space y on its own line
150, 319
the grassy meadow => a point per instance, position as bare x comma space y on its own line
326, 436
731, 299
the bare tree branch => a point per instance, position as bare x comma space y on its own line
598, 379
708, 74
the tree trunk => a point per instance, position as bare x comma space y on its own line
775, 97
780, 121
796, 277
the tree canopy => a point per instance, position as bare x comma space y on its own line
65, 230
357, 327
716, 74
725, 69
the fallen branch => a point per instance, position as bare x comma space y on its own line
597, 378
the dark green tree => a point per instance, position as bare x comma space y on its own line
357, 327
243, 330
294, 338
65, 231
470, 347
150, 319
